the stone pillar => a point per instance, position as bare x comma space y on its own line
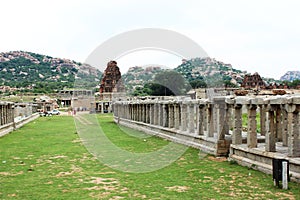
251, 135
165, 115
143, 119
196, 112
144, 114
262, 113
270, 135
237, 126
156, 114
215, 121
201, 114
210, 121
131, 112
148, 114
228, 116
151, 113
221, 121
135, 112
293, 131
191, 118
161, 115
284, 128
176, 116
183, 117
205, 121
5, 115
1, 115
171, 115
139, 111
124, 111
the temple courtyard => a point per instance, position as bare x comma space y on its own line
46, 159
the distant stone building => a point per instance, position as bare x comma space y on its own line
80, 100
111, 85
253, 81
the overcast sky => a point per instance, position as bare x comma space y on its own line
256, 35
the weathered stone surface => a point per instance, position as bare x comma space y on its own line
229, 100
278, 100
296, 100
257, 101
242, 100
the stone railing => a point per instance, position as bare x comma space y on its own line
215, 126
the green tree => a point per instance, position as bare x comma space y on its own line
198, 84
169, 82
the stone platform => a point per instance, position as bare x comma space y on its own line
259, 159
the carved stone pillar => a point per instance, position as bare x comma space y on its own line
237, 125
201, 114
176, 116
156, 114
191, 118
183, 117
251, 135
161, 115
293, 130
151, 113
148, 113
165, 115
271, 133
171, 115
210, 121
221, 120
284, 128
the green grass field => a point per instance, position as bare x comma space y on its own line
45, 159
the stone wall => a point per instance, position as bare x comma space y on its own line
215, 126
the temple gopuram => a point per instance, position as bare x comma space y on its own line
111, 86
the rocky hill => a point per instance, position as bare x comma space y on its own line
211, 71
291, 76
26, 71
138, 76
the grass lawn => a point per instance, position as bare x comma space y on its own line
46, 159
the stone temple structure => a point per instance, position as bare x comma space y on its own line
253, 81
216, 126
111, 85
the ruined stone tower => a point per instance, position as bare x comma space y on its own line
111, 81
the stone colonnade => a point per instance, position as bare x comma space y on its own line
221, 119
6, 113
